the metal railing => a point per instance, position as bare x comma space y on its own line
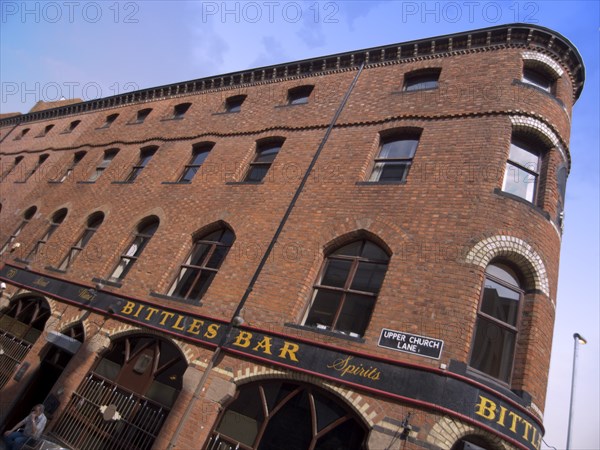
134, 426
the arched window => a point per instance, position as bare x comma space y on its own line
57, 218
345, 294
145, 231
539, 75
146, 155
29, 213
495, 337
202, 264
93, 223
422, 79
20, 326
285, 415
126, 398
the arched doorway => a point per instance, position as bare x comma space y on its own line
21, 324
42, 381
281, 414
123, 402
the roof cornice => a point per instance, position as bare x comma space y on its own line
517, 35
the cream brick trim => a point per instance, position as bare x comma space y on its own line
546, 61
540, 128
360, 405
518, 251
447, 431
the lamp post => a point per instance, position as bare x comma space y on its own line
578, 339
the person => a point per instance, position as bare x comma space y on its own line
33, 427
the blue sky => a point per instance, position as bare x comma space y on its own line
91, 49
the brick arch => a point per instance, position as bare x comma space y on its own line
517, 251
383, 232
447, 431
26, 293
128, 330
537, 128
539, 58
355, 401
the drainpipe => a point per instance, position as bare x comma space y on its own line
235, 319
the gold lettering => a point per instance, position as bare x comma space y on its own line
151, 312
502, 415
128, 308
139, 310
265, 345
85, 294
486, 408
194, 327
289, 349
176, 325
211, 331
166, 315
537, 442
528, 427
515, 418
243, 339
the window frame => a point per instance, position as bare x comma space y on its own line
46, 130
532, 73
263, 146
16, 162
180, 280
180, 110
93, 223
407, 162
20, 136
103, 164
234, 103
27, 216
41, 160
141, 116
77, 157
346, 290
57, 220
197, 149
413, 80
139, 248
74, 124
110, 119
531, 147
503, 325
146, 155
299, 95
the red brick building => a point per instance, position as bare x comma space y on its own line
353, 251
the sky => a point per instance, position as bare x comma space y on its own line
91, 49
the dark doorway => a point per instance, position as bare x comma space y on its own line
43, 380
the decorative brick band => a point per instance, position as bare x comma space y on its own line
447, 431
546, 60
518, 251
538, 127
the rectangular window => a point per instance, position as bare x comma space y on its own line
141, 115
109, 120
180, 110
199, 154
265, 155
538, 78
108, 157
45, 131
394, 159
299, 95
145, 157
522, 171
76, 159
234, 104
40, 161
421, 80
